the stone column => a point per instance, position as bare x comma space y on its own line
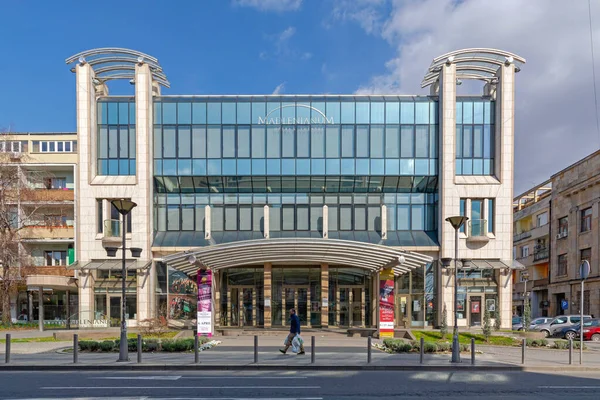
325, 295
267, 293
30, 303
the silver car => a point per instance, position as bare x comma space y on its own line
558, 323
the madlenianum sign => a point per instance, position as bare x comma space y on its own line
321, 118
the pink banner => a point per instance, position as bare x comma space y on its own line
204, 317
386, 304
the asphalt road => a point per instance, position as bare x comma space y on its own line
289, 385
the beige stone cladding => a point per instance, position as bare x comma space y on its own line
92, 187
576, 197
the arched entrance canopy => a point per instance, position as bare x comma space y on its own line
297, 251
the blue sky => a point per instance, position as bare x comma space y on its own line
204, 47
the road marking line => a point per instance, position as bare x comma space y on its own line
243, 377
174, 387
569, 387
144, 378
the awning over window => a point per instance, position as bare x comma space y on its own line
490, 264
112, 264
297, 251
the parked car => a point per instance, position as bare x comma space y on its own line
517, 324
592, 332
572, 332
558, 323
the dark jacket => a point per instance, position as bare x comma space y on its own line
295, 326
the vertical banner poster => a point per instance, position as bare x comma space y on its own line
204, 318
386, 303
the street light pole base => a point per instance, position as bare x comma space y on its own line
455, 350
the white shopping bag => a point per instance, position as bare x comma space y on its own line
297, 343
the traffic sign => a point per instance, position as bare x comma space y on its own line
564, 304
584, 269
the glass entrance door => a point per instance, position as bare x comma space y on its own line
115, 311
298, 298
247, 307
242, 306
351, 306
475, 310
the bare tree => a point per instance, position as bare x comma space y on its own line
15, 184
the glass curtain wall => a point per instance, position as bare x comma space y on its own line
416, 304
475, 136
116, 144
242, 297
350, 291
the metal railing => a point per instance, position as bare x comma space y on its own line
541, 254
521, 236
112, 228
477, 227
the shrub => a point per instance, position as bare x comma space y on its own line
396, 345
561, 345
184, 344
85, 345
498, 321
94, 345
132, 345
168, 346
107, 345
537, 342
429, 347
444, 346
150, 345
464, 347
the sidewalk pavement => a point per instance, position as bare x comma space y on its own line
236, 353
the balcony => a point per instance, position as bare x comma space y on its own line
521, 236
48, 195
112, 232
477, 231
37, 232
541, 254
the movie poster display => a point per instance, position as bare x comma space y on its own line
386, 303
204, 318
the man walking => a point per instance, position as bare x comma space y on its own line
294, 330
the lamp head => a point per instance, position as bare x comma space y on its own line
124, 206
136, 252
111, 251
457, 221
446, 262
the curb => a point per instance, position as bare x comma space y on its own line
272, 367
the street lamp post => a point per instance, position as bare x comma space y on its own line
456, 222
124, 206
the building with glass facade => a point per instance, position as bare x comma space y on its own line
296, 201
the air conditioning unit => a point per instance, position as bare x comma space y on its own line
15, 155
562, 235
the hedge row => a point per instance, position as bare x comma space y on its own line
400, 346
148, 345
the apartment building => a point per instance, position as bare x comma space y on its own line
531, 247
44, 219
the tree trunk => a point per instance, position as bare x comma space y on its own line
4, 287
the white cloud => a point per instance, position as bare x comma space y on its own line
270, 5
279, 89
555, 117
282, 49
367, 13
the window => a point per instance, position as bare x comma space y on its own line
99, 216
55, 257
463, 211
115, 215
55, 183
562, 265
116, 143
586, 220
477, 222
54, 146
584, 254
563, 227
490, 214
524, 251
542, 219
10, 147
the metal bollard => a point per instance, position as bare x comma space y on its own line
196, 350
570, 351
369, 349
312, 349
7, 354
472, 351
523, 351
421, 350
75, 348
255, 349
139, 348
